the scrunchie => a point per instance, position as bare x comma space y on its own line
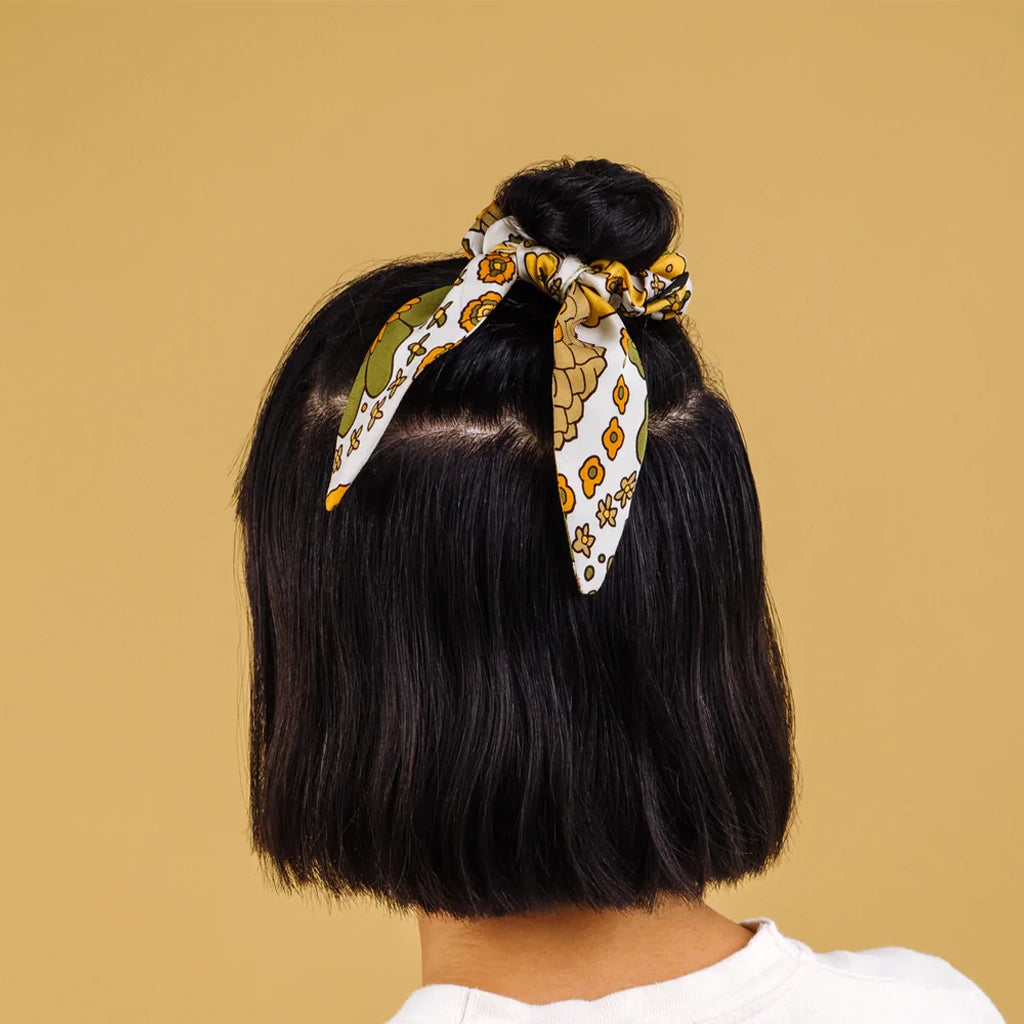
598, 387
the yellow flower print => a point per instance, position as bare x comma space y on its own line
541, 267
336, 495
606, 511
417, 348
497, 268
396, 382
337, 458
626, 490
577, 366
612, 438
676, 302
375, 412
440, 316
591, 474
584, 538
566, 494
405, 307
620, 396
353, 441
432, 355
477, 309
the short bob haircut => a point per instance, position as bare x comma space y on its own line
439, 718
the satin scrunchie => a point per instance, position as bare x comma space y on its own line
598, 386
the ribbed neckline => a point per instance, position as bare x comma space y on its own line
743, 977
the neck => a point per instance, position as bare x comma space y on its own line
576, 954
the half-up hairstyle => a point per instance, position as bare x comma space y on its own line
439, 719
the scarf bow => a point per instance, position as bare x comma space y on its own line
598, 386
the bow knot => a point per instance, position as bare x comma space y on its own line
570, 270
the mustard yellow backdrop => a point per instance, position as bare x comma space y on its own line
181, 184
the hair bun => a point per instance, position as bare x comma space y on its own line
593, 209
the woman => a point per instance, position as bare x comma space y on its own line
461, 708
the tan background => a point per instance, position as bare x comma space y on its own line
181, 184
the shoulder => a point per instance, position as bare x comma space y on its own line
887, 983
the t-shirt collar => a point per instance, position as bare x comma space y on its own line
743, 977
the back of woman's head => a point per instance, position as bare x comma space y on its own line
439, 718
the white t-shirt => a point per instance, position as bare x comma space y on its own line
771, 979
